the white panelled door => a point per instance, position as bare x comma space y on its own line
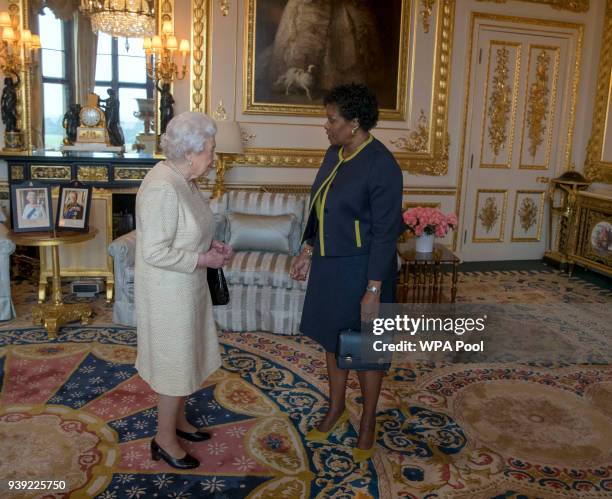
522, 96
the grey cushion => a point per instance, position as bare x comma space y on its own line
275, 233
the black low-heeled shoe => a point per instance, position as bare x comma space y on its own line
196, 436
183, 463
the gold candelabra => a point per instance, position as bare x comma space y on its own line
17, 55
18, 47
161, 55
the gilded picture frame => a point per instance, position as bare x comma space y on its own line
297, 51
598, 161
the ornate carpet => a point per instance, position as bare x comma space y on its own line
75, 410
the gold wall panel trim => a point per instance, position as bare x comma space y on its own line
417, 140
426, 11
477, 16
92, 173
39, 172
312, 158
528, 214
201, 36
540, 104
17, 172
571, 5
595, 168
489, 215
130, 174
500, 115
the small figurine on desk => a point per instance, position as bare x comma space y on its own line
166, 109
9, 104
71, 123
111, 112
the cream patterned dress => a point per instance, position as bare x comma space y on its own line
178, 346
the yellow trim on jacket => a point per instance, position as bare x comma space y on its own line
327, 183
357, 234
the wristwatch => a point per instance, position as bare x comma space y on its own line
373, 289
308, 251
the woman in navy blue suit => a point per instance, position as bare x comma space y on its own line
350, 247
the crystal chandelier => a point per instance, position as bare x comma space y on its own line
121, 18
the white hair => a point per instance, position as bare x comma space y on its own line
187, 133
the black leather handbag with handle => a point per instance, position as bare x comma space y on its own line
218, 286
349, 353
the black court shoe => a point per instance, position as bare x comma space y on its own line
196, 436
183, 463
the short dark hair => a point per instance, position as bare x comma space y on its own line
355, 100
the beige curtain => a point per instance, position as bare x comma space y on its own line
63, 9
86, 44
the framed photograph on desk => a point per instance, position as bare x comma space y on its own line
31, 207
73, 205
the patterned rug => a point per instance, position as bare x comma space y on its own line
75, 410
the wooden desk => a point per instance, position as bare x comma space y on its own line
56, 313
427, 277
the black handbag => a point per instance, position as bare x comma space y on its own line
350, 349
218, 286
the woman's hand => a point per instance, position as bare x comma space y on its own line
213, 259
226, 249
301, 265
370, 306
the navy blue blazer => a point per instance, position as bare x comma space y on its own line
361, 205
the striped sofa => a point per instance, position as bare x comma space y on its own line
262, 295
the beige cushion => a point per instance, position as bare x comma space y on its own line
261, 232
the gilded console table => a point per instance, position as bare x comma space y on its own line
592, 236
105, 170
427, 277
56, 313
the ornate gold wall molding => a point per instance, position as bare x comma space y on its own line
537, 106
501, 97
500, 102
595, 168
200, 55
571, 5
312, 158
417, 140
426, 11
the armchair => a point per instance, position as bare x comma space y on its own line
7, 311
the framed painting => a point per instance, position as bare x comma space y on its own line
31, 207
73, 205
298, 50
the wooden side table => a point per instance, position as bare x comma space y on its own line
424, 277
56, 313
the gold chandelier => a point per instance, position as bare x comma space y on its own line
121, 18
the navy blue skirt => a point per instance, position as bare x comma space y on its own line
333, 297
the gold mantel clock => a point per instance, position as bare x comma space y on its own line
92, 127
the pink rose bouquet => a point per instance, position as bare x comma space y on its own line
429, 221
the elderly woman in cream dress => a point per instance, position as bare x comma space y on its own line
177, 339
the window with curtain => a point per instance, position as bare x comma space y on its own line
121, 65
55, 57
